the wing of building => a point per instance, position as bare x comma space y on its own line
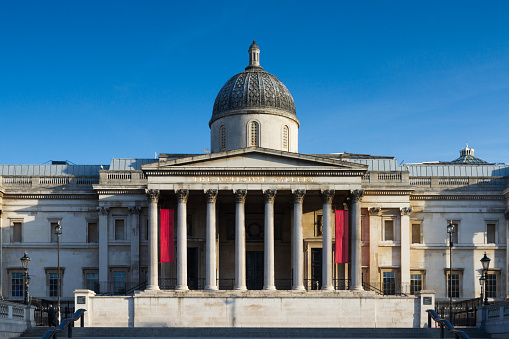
254, 214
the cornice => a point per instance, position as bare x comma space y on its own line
51, 196
119, 191
368, 191
255, 173
456, 197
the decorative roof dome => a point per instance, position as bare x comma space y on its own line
254, 91
467, 157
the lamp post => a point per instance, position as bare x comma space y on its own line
25, 260
58, 232
481, 282
450, 230
485, 261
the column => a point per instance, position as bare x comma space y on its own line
298, 243
153, 274
269, 196
374, 237
103, 248
327, 196
240, 240
135, 211
355, 240
507, 253
182, 196
405, 249
210, 260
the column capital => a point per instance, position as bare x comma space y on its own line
240, 195
134, 210
182, 195
152, 195
103, 210
406, 210
374, 210
356, 195
211, 195
269, 195
327, 196
298, 196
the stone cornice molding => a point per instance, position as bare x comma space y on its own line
406, 210
298, 196
269, 195
113, 191
51, 196
240, 196
103, 210
182, 195
327, 196
255, 173
152, 195
374, 210
387, 192
211, 195
134, 210
456, 197
356, 195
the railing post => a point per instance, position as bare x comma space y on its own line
429, 320
441, 330
69, 329
82, 321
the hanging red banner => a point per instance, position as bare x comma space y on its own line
166, 235
342, 249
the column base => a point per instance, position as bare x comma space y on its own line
182, 288
240, 288
211, 288
328, 288
269, 288
152, 288
299, 288
357, 288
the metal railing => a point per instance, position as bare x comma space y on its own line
445, 324
66, 323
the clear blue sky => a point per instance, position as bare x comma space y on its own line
86, 81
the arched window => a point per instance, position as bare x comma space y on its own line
222, 138
254, 133
285, 138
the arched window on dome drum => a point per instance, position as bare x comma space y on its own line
285, 138
254, 133
222, 138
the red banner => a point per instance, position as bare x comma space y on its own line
166, 236
341, 237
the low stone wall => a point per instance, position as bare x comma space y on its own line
494, 319
252, 309
15, 319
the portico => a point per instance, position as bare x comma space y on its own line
264, 193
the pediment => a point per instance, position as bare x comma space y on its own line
250, 159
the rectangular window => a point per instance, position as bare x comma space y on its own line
453, 285
92, 235
389, 283
119, 229
490, 233
119, 282
54, 236
415, 282
388, 230
53, 284
491, 285
16, 232
93, 281
416, 234
17, 284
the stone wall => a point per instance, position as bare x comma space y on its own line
15, 319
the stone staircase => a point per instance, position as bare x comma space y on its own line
161, 332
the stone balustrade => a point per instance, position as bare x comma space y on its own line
494, 319
37, 181
123, 177
15, 319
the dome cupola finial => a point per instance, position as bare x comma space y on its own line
254, 57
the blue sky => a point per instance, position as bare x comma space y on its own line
86, 81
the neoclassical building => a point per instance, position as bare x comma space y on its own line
254, 214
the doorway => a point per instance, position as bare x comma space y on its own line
254, 270
192, 268
316, 268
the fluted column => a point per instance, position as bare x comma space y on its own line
135, 211
327, 196
355, 198
182, 239
240, 240
298, 243
153, 278
269, 240
210, 260
405, 249
103, 248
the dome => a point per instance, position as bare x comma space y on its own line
254, 90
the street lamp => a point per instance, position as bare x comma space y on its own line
485, 261
481, 282
450, 230
58, 232
25, 260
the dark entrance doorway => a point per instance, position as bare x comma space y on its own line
254, 270
316, 268
192, 268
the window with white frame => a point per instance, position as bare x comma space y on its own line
119, 280
453, 283
491, 285
91, 277
119, 229
389, 282
388, 230
52, 281
16, 284
491, 232
416, 281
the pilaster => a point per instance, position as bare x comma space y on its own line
374, 238
134, 213
103, 248
405, 249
